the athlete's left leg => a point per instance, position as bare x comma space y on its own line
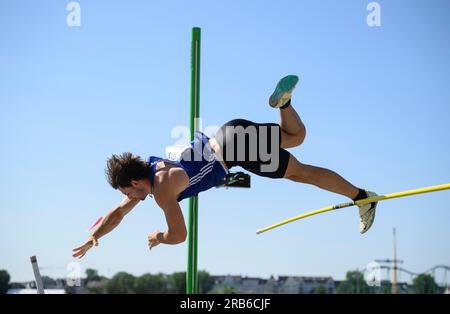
320, 177
333, 182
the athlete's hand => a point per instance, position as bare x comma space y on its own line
81, 250
153, 239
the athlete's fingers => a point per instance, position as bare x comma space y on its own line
76, 254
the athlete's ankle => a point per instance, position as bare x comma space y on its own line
361, 194
286, 105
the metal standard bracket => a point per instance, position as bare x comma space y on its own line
235, 180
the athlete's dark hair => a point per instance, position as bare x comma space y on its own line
120, 170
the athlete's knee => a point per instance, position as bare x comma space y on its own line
300, 135
297, 138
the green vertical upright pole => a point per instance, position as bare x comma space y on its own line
191, 274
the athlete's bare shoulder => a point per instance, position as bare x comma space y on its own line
170, 180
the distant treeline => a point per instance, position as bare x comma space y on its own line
125, 283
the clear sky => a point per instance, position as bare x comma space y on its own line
375, 101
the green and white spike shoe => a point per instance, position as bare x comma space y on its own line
283, 91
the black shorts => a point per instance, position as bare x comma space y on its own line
254, 147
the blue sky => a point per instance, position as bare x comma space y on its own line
375, 102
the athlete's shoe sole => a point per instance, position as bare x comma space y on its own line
283, 91
367, 214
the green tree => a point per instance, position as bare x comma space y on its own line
386, 287
94, 283
320, 290
4, 281
178, 282
425, 284
92, 275
148, 283
205, 282
121, 283
353, 284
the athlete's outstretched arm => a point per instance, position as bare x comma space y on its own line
111, 220
166, 194
176, 232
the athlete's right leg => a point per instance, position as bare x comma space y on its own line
293, 130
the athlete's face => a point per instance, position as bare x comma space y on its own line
139, 189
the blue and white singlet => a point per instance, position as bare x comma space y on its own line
200, 163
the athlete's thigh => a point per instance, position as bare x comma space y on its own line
293, 167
